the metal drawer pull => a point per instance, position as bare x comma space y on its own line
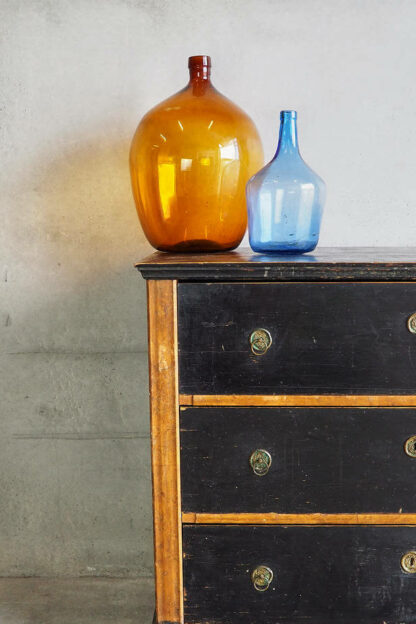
410, 446
262, 577
260, 461
260, 341
411, 323
409, 562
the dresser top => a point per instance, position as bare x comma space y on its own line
324, 264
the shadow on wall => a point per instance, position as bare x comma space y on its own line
81, 237
74, 339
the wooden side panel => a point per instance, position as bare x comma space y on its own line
321, 575
164, 411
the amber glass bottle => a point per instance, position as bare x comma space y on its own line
190, 159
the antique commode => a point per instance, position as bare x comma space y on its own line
283, 418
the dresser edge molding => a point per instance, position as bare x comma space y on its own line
404, 519
164, 415
296, 400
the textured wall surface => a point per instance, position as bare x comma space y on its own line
76, 76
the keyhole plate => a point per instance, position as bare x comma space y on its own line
411, 323
410, 446
409, 562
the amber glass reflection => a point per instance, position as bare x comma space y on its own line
190, 159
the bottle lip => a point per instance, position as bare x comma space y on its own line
201, 60
292, 114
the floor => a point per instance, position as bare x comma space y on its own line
76, 601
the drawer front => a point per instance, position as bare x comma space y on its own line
298, 460
325, 338
322, 575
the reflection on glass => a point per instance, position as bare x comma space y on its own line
166, 187
285, 199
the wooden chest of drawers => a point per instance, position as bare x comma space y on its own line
283, 417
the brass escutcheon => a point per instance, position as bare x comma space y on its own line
410, 446
260, 341
408, 562
411, 323
262, 577
260, 461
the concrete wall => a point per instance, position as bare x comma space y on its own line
76, 76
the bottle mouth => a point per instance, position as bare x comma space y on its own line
288, 114
199, 61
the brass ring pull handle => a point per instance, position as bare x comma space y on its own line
262, 577
260, 341
260, 461
408, 562
411, 323
410, 446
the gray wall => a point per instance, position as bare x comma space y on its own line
76, 76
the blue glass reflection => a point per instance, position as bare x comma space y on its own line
285, 199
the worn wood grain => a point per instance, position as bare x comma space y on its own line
323, 460
296, 400
321, 575
165, 450
399, 519
334, 264
327, 338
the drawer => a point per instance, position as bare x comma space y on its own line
322, 575
323, 460
325, 338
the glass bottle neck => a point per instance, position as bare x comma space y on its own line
200, 80
199, 73
288, 135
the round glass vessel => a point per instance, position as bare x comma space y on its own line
190, 159
285, 199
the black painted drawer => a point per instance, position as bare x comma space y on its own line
327, 338
327, 460
321, 575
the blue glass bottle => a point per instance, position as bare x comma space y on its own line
285, 199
